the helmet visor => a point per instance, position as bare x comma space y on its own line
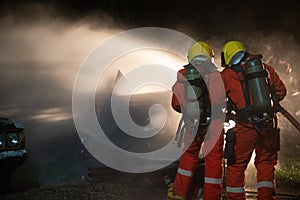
237, 58
203, 63
200, 59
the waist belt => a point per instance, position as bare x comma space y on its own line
248, 115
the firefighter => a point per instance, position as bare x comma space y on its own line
196, 114
254, 90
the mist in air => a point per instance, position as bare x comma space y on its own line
39, 60
40, 56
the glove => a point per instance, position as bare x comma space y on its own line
229, 145
276, 106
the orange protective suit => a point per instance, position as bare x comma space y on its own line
265, 143
213, 142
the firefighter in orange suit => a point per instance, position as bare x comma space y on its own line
253, 89
207, 131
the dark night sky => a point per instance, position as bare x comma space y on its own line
212, 17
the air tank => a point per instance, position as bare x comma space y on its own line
256, 77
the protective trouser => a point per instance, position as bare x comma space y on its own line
213, 167
265, 143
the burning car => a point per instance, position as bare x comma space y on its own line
12, 150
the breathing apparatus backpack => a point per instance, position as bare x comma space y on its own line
257, 80
256, 91
198, 108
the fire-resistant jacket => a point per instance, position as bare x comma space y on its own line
211, 138
263, 139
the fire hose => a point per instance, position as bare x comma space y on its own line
180, 133
285, 113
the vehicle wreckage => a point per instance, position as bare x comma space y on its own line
12, 150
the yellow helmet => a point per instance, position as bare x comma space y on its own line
200, 49
232, 53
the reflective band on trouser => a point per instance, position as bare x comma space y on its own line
235, 189
185, 172
213, 180
268, 184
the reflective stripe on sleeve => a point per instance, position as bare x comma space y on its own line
235, 189
268, 184
213, 180
185, 172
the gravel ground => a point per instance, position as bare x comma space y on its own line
87, 190
103, 184
108, 184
